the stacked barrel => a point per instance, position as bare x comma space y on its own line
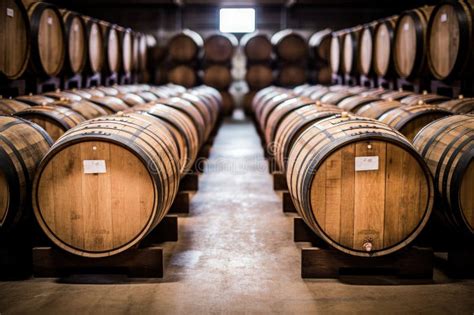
115, 151
258, 49
320, 54
291, 51
219, 50
184, 51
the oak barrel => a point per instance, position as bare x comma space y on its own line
335, 56
185, 46
112, 48
291, 75
365, 49
95, 46
76, 39
257, 47
182, 75
34, 99
217, 76
350, 182
106, 184
290, 46
353, 103
110, 104
259, 76
219, 47
396, 95
58, 94
383, 46
425, 98
85, 108
10, 107
228, 103
125, 36
460, 105
320, 45
15, 43
22, 146
350, 41
377, 108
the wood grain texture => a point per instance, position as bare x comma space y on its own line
185, 46
383, 46
9, 107
76, 39
290, 46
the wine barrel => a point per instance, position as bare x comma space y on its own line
306, 89
217, 76
185, 46
181, 127
259, 76
76, 39
136, 51
424, 98
108, 90
205, 108
334, 98
228, 103
85, 108
375, 92
409, 42
123, 163
396, 95
54, 120
110, 104
365, 49
112, 49
92, 92
270, 104
22, 146
34, 99
294, 124
335, 56
384, 46
95, 46
348, 179
130, 99
350, 41
353, 103
48, 49
219, 47
58, 94
318, 94
264, 95
324, 75
247, 102
10, 107
291, 75
320, 45
460, 105
147, 96
290, 46
447, 147
125, 37
257, 47
450, 40
15, 46
409, 119
378, 108
182, 75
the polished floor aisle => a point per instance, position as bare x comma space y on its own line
235, 255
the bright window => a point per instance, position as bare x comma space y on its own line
237, 20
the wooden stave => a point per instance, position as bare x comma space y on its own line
144, 151
131, 99
110, 104
459, 106
388, 24
93, 92
34, 99
68, 18
257, 46
464, 64
424, 98
448, 176
353, 103
335, 97
22, 10
396, 95
208, 114
278, 39
20, 151
58, 95
376, 109
259, 76
35, 12
382, 133
294, 124
85, 108
10, 106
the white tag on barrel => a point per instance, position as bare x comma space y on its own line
366, 163
10, 12
94, 167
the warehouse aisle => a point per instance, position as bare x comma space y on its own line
235, 254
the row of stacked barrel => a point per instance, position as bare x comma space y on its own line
100, 167
41, 41
188, 54
366, 167
431, 40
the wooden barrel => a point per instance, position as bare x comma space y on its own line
320, 45
409, 42
110, 104
136, 51
123, 163
95, 46
207, 110
294, 124
409, 119
219, 47
460, 105
91, 92
143, 53
10, 107
54, 120
324, 75
247, 102
58, 94
259, 76
108, 90
48, 48
383, 46
22, 146
450, 40
270, 104
257, 47
181, 127
85, 108
210, 97
350, 41
353, 103
396, 95
182, 75
377, 108
185, 46
264, 95
424, 98
15, 46
318, 94
447, 145
131, 99
291, 75
34, 99
290, 46
228, 103
217, 76
335, 56
365, 49
112, 48
306, 89
376, 92
334, 98
147, 96
125, 36
76, 39
348, 179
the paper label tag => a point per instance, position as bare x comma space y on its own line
10, 12
75, 28
94, 167
50, 20
366, 163
444, 18
406, 27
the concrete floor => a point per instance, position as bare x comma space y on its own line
235, 255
